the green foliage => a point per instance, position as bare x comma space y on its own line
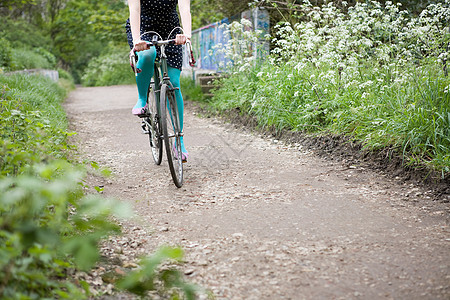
45, 221
41, 94
204, 13
324, 76
24, 46
190, 90
27, 135
30, 59
63, 74
22, 33
5, 55
111, 68
66, 80
107, 22
166, 280
73, 32
51, 59
69, 31
81, 30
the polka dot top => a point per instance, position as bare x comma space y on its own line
160, 16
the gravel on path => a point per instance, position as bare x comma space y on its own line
259, 219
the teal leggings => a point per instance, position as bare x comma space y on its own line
146, 62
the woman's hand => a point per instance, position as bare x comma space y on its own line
181, 39
140, 45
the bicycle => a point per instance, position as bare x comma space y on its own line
160, 120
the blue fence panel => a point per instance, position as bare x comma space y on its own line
205, 40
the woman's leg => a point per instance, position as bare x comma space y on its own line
146, 62
174, 75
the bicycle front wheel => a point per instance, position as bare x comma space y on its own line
170, 124
153, 124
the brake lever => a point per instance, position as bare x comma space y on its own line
133, 61
192, 61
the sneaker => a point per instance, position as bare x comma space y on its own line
184, 155
139, 110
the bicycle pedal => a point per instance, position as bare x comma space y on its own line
144, 128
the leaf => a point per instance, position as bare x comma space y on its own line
84, 250
98, 189
106, 172
95, 165
85, 287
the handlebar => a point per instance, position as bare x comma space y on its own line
155, 42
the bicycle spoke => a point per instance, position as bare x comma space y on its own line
171, 132
153, 125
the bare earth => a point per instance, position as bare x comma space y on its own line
259, 219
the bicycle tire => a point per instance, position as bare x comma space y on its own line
154, 125
171, 133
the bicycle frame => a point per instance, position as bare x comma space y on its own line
167, 112
160, 74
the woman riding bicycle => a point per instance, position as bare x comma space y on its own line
158, 16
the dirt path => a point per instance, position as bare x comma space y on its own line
262, 220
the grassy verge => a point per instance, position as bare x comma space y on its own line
33, 123
349, 74
412, 117
190, 90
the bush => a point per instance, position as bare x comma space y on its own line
48, 228
66, 80
112, 68
5, 55
51, 59
29, 59
63, 74
38, 191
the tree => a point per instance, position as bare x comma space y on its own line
83, 28
205, 12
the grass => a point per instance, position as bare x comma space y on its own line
33, 123
40, 93
412, 117
190, 90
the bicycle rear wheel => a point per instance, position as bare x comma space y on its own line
153, 124
170, 124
